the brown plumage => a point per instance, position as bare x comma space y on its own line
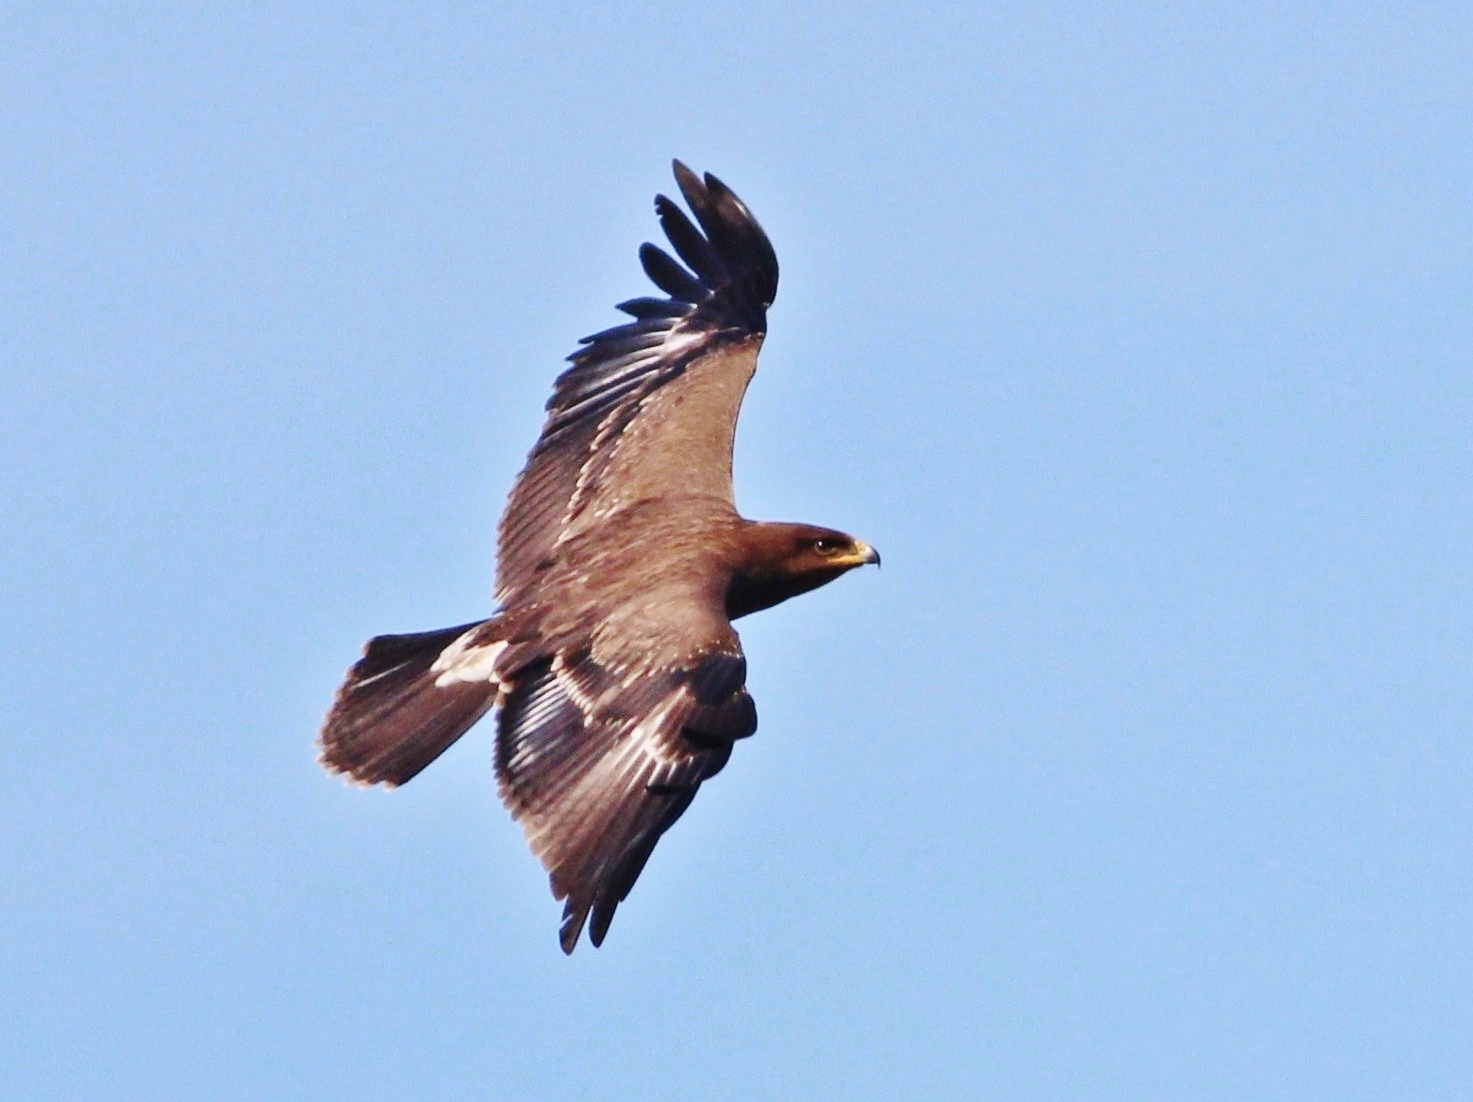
622, 562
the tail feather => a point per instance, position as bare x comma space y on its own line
407, 699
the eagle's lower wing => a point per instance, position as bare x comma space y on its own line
650, 407
599, 750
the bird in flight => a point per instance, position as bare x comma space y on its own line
619, 683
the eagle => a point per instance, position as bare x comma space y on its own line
618, 681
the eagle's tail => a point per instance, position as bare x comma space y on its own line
407, 699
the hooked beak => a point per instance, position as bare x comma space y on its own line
864, 554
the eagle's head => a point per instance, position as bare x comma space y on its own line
778, 561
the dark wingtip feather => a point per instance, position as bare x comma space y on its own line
669, 276
685, 179
573, 919
603, 914
654, 308
689, 244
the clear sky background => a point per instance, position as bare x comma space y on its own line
1137, 337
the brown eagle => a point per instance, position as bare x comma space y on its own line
622, 563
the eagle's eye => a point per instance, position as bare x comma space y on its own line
826, 545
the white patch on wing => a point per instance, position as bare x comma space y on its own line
643, 741
464, 661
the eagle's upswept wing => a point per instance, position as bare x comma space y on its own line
597, 757
650, 407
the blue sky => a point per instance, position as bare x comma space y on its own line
1137, 337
